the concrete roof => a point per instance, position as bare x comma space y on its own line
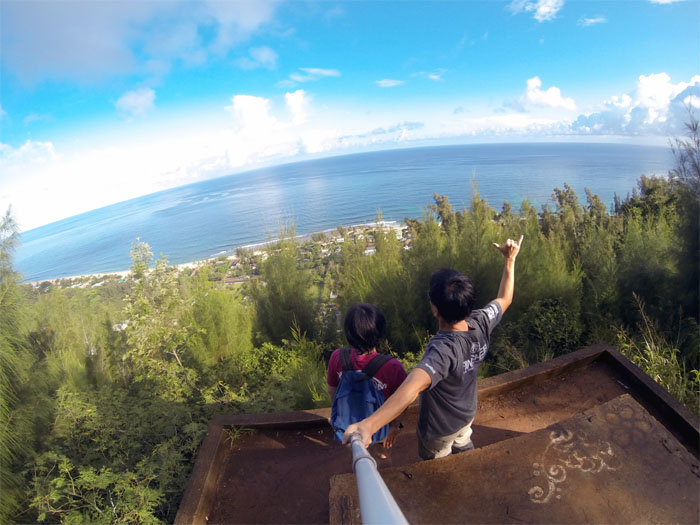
586, 437
612, 464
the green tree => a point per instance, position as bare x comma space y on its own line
686, 151
70, 337
283, 296
448, 219
654, 198
686, 178
647, 268
224, 324
475, 255
157, 334
381, 279
14, 367
115, 455
569, 224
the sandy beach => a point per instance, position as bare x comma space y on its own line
230, 254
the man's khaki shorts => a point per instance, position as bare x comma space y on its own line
439, 447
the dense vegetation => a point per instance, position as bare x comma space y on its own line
106, 388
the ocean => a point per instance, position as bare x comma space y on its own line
213, 217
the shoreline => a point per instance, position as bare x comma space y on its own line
303, 237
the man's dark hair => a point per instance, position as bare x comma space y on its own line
365, 327
452, 293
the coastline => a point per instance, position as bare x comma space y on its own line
230, 254
215, 217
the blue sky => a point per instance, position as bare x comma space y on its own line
101, 100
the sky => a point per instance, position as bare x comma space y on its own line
102, 101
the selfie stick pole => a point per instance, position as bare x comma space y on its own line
377, 505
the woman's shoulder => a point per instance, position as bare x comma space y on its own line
334, 357
396, 363
338, 350
391, 362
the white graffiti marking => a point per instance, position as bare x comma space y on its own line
567, 451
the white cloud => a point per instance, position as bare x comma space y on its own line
136, 103
39, 38
22, 172
298, 104
389, 82
46, 183
260, 135
308, 74
591, 21
550, 98
665, 1
543, 10
655, 91
30, 151
656, 107
624, 101
435, 76
251, 113
692, 101
36, 117
298, 77
264, 57
3, 113
238, 20
316, 72
313, 73
512, 125
400, 132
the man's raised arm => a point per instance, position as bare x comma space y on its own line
505, 290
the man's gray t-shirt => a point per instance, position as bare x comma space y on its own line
452, 361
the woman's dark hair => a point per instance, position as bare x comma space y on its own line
365, 327
453, 294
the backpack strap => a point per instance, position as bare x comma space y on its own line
375, 364
346, 360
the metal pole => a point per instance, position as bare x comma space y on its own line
377, 505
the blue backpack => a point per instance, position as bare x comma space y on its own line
357, 397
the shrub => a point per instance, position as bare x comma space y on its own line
654, 354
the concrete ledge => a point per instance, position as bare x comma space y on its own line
495, 385
200, 491
614, 463
201, 488
298, 419
198, 499
678, 418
